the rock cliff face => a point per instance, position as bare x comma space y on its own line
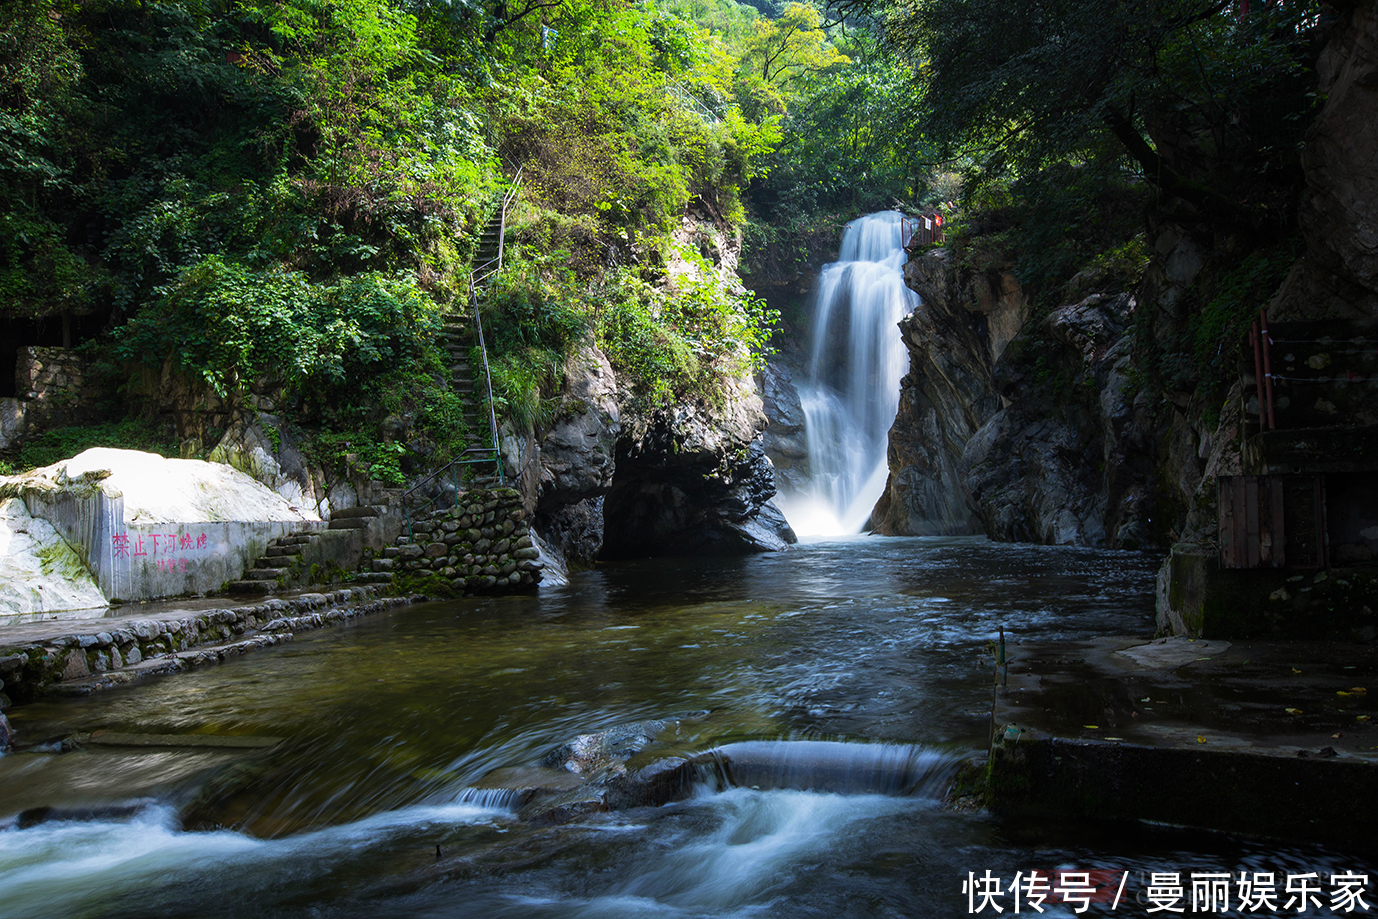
1335, 279
610, 480
785, 441
609, 483
1069, 458
1030, 433
1338, 277
1045, 431
954, 338
690, 482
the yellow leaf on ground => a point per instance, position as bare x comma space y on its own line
1294, 711
1200, 738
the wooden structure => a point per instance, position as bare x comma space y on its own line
1272, 521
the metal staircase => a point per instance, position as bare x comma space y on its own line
463, 338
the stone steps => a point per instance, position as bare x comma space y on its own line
373, 577
79, 662
249, 588
362, 512
276, 566
280, 551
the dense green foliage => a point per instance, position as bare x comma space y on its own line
227, 323
1059, 109
1018, 87
283, 196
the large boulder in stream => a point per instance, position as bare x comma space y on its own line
691, 481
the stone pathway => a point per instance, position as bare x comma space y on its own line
79, 656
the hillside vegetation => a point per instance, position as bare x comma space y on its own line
284, 197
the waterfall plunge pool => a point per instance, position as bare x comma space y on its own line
387, 721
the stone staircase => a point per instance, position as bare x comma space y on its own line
458, 338
281, 565
273, 568
488, 255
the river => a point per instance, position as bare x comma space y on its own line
387, 721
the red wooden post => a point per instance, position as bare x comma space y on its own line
1266, 342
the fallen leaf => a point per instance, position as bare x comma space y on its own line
1359, 690
1091, 727
1336, 736
1294, 711
1341, 692
1200, 738
1295, 670
1146, 699
1361, 717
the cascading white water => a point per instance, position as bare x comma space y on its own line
853, 386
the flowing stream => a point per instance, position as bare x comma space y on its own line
853, 385
830, 690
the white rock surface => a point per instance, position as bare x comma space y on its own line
160, 490
39, 573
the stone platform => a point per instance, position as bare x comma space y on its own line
1266, 738
136, 641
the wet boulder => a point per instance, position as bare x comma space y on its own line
631, 765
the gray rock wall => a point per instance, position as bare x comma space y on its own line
1069, 459
681, 481
1339, 274
953, 338
1024, 432
692, 482
51, 391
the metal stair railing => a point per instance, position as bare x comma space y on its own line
474, 455
491, 267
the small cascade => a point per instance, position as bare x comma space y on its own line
896, 770
499, 799
852, 391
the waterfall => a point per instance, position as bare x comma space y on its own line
852, 390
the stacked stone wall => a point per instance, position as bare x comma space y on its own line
51, 391
482, 545
52, 384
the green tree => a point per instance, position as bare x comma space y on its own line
1195, 94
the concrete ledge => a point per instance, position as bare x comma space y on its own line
76, 657
1032, 774
1263, 738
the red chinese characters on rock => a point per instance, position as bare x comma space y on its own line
168, 550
